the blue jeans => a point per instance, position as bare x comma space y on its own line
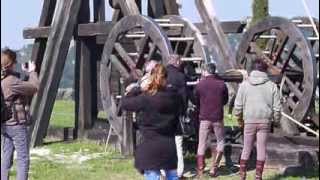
155, 175
14, 138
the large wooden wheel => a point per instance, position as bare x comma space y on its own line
289, 57
131, 42
135, 40
306, 27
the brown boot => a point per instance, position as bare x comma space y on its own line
216, 158
259, 169
243, 169
200, 165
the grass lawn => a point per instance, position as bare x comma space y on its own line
63, 114
87, 160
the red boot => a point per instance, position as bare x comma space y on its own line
259, 169
216, 158
200, 165
243, 169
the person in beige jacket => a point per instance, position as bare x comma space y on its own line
257, 105
14, 129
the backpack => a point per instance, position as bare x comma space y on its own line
6, 112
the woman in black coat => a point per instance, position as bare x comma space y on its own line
160, 108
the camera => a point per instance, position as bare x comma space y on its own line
26, 65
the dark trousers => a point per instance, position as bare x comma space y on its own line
14, 139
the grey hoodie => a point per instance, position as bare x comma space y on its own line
258, 99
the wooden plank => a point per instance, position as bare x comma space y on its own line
217, 40
39, 45
99, 11
94, 29
39, 32
128, 7
171, 7
52, 67
127, 145
227, 27
85, 87
103, 28
155, 8
117, 15
83, 74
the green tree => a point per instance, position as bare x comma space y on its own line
260, 10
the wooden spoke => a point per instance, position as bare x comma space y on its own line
188, 48
291, 50
176, 48
120, 67
277, 55
291, 103
153, 49
142, 49
293, 88
127, 59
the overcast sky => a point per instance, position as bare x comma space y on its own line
18, 14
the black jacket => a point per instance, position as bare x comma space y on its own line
158, 127
177, 80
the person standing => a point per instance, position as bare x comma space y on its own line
159, 108
177, 80
14, 130
211, 94
257, 103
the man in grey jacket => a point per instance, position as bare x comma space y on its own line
257, 104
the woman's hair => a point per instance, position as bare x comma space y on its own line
8, 58
157, 80
260, 65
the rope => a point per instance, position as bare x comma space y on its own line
310, 17
300, 124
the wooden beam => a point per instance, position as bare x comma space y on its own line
127, 145
39, 32
99, 11
85, 87
171, 7
227, 27
94, 29
83, 65
103, 28
52, 67
217, 40
155, 8
39, 45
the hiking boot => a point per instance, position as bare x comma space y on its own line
200, 165
216, 158
243, 169
259, 169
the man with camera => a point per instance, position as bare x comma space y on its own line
16, 94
